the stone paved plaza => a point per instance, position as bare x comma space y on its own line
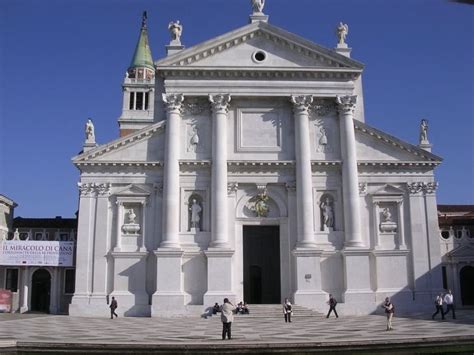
37, 330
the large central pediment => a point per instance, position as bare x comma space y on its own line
282, 51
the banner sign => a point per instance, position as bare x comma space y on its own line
36, 253
5, 301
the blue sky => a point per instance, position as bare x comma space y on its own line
64, 61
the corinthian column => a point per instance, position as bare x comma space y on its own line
350, 180
304, 185
173, 104
220, 107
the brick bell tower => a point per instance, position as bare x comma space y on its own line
138, 87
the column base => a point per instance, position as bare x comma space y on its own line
219, 245
306, 245
211, 297
169, 296
167, 303
354, 244
311, 299
84, 305
219, 276
132, 304
170, 245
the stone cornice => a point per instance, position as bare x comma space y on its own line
393, 252
261, 163
395, 163
391, 140
146, 164
119, 143
260, 73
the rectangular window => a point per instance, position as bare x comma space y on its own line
69, 281
146, 100
63, 237
139, 99
11, 282
445, 278
132, 101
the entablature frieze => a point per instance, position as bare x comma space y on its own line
323, 74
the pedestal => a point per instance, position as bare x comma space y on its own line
130, 284
308, 291
357, 275
169, 297
219, 276
393, 284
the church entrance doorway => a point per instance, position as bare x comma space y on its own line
467, 285
261, 264
40, 291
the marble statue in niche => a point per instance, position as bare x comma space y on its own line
387, 225
193, 140
131, 226
195, 211
195, 214
323, 145
327, 213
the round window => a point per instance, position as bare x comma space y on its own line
259, 56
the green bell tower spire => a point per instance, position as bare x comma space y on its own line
142, 56
139, 87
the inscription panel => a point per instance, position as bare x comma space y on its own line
259, 129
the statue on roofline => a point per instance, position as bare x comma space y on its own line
424, 132
257, 6
341, 31
176, 29
90, 134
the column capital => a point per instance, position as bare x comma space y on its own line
346, 104
301, 103
173, 102
220, 103
232, 188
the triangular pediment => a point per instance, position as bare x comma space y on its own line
145, 145
283, 49
133, 190
462, 252
375, 145
388, 189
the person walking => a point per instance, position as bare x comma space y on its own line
113, 306
227, 317
332, 306
449, 300
287, 310
439, 306
389, 311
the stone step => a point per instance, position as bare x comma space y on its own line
276, 311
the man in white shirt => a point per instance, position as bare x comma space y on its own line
449, 300
227, 316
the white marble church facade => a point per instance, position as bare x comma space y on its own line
257, 134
